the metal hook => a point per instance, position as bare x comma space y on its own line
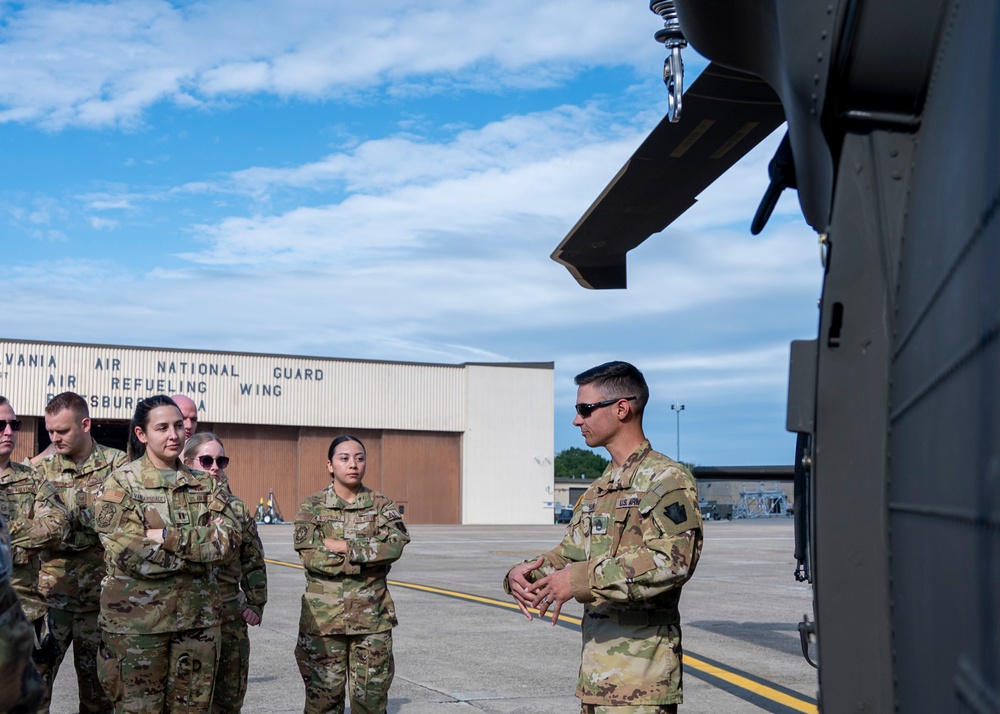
673, 66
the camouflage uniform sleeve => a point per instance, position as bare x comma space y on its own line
122, 529
568, 551
212, 542
314, 555
47, 526
664, 555
253, 578
386, 544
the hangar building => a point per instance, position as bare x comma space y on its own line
449, 443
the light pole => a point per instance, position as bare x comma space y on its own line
678, 407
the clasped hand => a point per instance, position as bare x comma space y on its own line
551, 591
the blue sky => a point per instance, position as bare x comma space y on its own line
385, 181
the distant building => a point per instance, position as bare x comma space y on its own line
462, 443
754, 486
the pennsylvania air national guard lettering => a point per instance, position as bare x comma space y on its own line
634, 540
347, 536
71, 574
163, 529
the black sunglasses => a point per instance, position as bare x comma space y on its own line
14, 424
206, 461
585, 410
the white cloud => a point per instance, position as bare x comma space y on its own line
102, 223
99, 64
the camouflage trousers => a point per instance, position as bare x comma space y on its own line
80, 629
21, 685
643, 709
327, 661
152, 674
234, 664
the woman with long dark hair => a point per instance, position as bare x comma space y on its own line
347, 536
163, 528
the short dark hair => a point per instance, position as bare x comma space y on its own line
136, 448
71, 401
3, 400
617, 379
340, 440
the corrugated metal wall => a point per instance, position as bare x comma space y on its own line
27, 442
236, 388
263, 458
421, 472
451, 443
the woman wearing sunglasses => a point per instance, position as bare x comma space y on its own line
347, 536
164, 528
242, 581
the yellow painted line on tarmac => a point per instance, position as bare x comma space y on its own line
692, 661
440, 591
743, 683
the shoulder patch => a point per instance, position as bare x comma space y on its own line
301, 533
113, 495
676, 512
106, 515
392, 514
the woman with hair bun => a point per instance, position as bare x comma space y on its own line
347, 536
163, 528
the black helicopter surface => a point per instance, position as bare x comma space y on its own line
893, 144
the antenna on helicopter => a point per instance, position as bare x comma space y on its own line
673, 66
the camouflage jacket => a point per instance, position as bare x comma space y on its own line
347, 594
153, 588
37, 519
22, 687
71, 573
634, 540
243, 575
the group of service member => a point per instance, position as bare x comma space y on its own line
145, 562
169, 532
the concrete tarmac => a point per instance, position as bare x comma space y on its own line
457, 654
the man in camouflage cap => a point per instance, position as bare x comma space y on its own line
71, 572
634, 540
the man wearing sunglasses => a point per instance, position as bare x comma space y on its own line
37, 519
634, 540
71, 573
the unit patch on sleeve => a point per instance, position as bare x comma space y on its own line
676, 512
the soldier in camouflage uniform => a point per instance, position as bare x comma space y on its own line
347, 536
37, 519
22, 686
72, 571
242, 581
634, 540
164, 529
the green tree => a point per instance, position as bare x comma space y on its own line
572, 462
